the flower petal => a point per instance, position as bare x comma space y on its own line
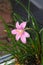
26, 34
23, 39
18, 36
17, 25
23, 24
14, 31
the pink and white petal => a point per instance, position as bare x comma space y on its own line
23, 39
26, 34
17, 25
23, 24
18, 37
14, 31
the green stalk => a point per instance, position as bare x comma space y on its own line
28, 10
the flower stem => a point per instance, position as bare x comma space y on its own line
28, 29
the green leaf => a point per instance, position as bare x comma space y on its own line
34, 24
13, 42
24, 51
33, 44
34, 40
21, 5
41, 33
18, 16
1, 42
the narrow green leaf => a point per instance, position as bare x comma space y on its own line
34, 24
18, 16
41, 33
9, 34
21, 5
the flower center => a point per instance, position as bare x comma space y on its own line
20, 31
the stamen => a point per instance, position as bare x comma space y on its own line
20, 31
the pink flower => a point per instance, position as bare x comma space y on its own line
20, 32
